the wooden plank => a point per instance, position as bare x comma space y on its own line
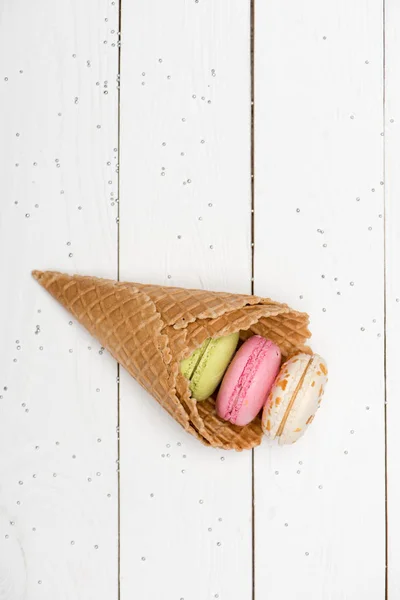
392, 189
320, 504
58, 395
185, 220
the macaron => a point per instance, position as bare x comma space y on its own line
295, 398
247, 382
207, 365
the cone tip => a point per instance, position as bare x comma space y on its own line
37, 275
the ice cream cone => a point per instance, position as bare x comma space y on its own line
149, 329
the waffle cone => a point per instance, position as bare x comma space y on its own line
149, 329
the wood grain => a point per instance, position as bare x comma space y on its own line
58, 391
185, 220
319, 244
392, 189
183, 512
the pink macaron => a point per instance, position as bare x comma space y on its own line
248, 380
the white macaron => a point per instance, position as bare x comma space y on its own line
295, 398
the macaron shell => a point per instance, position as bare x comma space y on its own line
188, 365
248, 380
282, 392
213, 365
260, 386
307, 401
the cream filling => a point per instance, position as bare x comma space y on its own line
199, 359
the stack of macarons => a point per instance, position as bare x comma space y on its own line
252, 379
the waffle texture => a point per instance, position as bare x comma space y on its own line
149, 329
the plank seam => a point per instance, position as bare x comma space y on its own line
385, 294
252, 150
118, 278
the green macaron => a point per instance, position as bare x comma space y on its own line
207, 365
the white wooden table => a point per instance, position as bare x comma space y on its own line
164, 180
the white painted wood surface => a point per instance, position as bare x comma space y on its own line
185, 165
392, 189
178, 524
58, 398
319, 245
